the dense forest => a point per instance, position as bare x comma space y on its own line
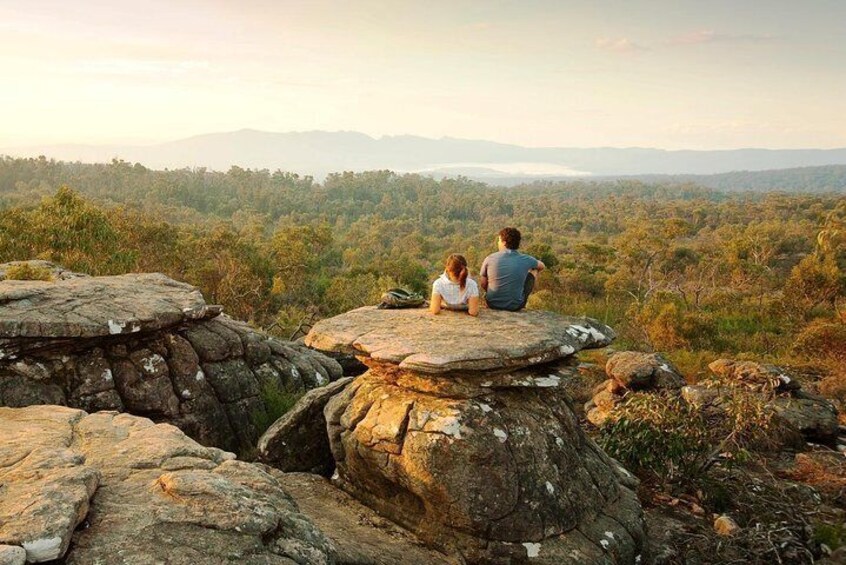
672, 266
822, 179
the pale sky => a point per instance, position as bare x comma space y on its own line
653, 73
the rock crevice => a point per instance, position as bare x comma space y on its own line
148, 345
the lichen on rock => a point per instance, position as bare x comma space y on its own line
146, 492
462, 432
148, 345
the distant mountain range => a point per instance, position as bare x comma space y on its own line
318, 153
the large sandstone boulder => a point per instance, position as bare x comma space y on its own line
635, 370
461, 431
148, 345
146, 494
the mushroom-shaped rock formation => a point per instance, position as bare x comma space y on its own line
140, 493
148, 345
461, 432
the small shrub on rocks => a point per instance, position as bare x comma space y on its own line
658, 436
831, 536
664, 439
749, 421
277, 403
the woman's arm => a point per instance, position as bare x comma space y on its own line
473, 306
435, 303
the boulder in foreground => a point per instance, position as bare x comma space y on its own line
297, 442
147, 494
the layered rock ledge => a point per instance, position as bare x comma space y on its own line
148, 345
461, 431
116, 488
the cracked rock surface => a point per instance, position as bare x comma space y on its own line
473, 444
297, 442
150, 346
115, 488
415, 340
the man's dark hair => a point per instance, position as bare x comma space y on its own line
510, 237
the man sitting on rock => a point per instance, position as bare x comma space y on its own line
508, 276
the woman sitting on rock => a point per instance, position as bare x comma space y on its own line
453, 290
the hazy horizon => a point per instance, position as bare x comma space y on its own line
654, 73
376, 137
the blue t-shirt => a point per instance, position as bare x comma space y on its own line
506, 272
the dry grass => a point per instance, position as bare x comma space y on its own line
779, 520
825, 471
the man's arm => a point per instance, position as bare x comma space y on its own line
540, 266
483, 275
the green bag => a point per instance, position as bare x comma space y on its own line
401, 298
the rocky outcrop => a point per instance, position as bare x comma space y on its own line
811, 415
757, 377
297, 442
115, 488
147, 345
55, 272
798, 411
461, 432
631, 371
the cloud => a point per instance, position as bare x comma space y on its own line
710, 36
617, 45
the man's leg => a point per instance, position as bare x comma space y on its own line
528, 287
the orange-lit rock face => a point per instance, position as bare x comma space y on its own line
490, 463
147, 494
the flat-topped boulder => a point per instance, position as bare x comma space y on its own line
97, 306
148, 345
450, 342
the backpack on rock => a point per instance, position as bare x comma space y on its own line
401, 298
